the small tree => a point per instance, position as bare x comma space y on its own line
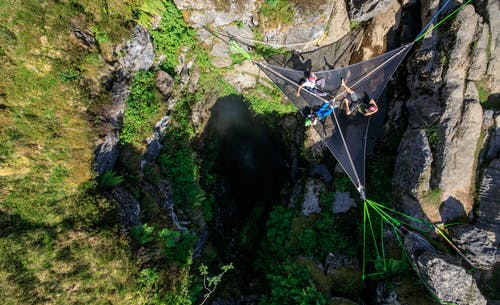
210, 282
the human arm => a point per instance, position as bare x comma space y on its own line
346, 88
346, 104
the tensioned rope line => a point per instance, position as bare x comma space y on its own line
424, 30
359, 186
277, 45
358, 183
422, 35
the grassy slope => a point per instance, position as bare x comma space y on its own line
58, 242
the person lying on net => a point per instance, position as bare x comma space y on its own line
321, 113
312, 83
355, 104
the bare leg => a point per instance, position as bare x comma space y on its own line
346, 88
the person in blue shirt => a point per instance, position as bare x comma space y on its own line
321, 113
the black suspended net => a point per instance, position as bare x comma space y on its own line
345, 135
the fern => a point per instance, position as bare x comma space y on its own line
110, 179
148, 10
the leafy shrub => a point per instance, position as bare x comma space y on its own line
168, 237
148, 10
109, 179
143, 234
172, 35
293, 285
142, 109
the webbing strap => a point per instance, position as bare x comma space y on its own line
424, 30
422, 35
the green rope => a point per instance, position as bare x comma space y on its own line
442, 20
421, 221
373, 232
382, 244
364, 242
237, 49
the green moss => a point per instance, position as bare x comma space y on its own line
355, 24
432, 197
276, 12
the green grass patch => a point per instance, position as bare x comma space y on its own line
432, 198
487, 100
60, 242
276, 12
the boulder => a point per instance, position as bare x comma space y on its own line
128, 206
342, 203
494, 141
139, 51
412, 170
243, 76
448, 281
362, 10
479, 54
489, 208
311, 204
480, 245
164, 83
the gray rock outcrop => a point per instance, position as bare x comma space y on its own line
493, 8
139, 54
362, 10
139, 51
342, 203
442, 101
447, 280
129, 208
494, 141
482, 241
311, 204
460, 123
153, 143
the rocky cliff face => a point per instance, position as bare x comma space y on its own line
451, 78
138, 55
437, 162
436, 167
